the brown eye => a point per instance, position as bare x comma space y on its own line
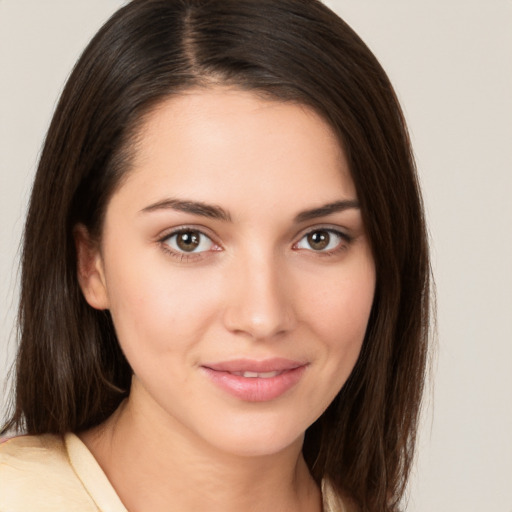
323, 240
189, 241
319, 240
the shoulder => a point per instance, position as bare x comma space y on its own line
35, 449
35, 474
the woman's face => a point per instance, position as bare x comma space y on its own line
235, 265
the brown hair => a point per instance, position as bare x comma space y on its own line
71, 373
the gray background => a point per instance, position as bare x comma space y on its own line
450, 61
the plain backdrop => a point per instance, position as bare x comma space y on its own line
451, 64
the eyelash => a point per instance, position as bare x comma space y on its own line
344, 241
184, 256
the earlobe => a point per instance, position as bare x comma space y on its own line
90, 271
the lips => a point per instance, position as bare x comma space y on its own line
255, 381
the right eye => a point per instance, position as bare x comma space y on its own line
189, 241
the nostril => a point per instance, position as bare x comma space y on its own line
259, 319
258, 302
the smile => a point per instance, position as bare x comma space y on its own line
256, 375
256, 381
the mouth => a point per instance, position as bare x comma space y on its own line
256, 375
256, 381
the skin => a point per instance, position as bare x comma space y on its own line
255, 288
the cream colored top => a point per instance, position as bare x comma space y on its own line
49, 473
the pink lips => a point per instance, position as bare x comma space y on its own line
256, 381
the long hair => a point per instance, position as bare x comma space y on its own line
70, 372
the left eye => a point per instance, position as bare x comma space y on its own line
320, 240
189, 241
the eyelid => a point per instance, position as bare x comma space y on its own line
336, 230
183, 228
343, 232
184, 255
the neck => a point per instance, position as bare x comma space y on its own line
161, 467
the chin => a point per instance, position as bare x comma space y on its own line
255, 437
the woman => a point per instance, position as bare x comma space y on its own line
224, 297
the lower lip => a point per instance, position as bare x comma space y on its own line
256, 389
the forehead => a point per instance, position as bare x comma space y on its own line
220, 143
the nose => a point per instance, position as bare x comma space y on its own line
259, 301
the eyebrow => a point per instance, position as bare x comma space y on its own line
327, 209
218, 213
193, 207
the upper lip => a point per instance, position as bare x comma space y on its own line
251, 365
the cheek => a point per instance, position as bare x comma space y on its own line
339, 315
343, 305
157, 308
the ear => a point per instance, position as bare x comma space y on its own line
90, 270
